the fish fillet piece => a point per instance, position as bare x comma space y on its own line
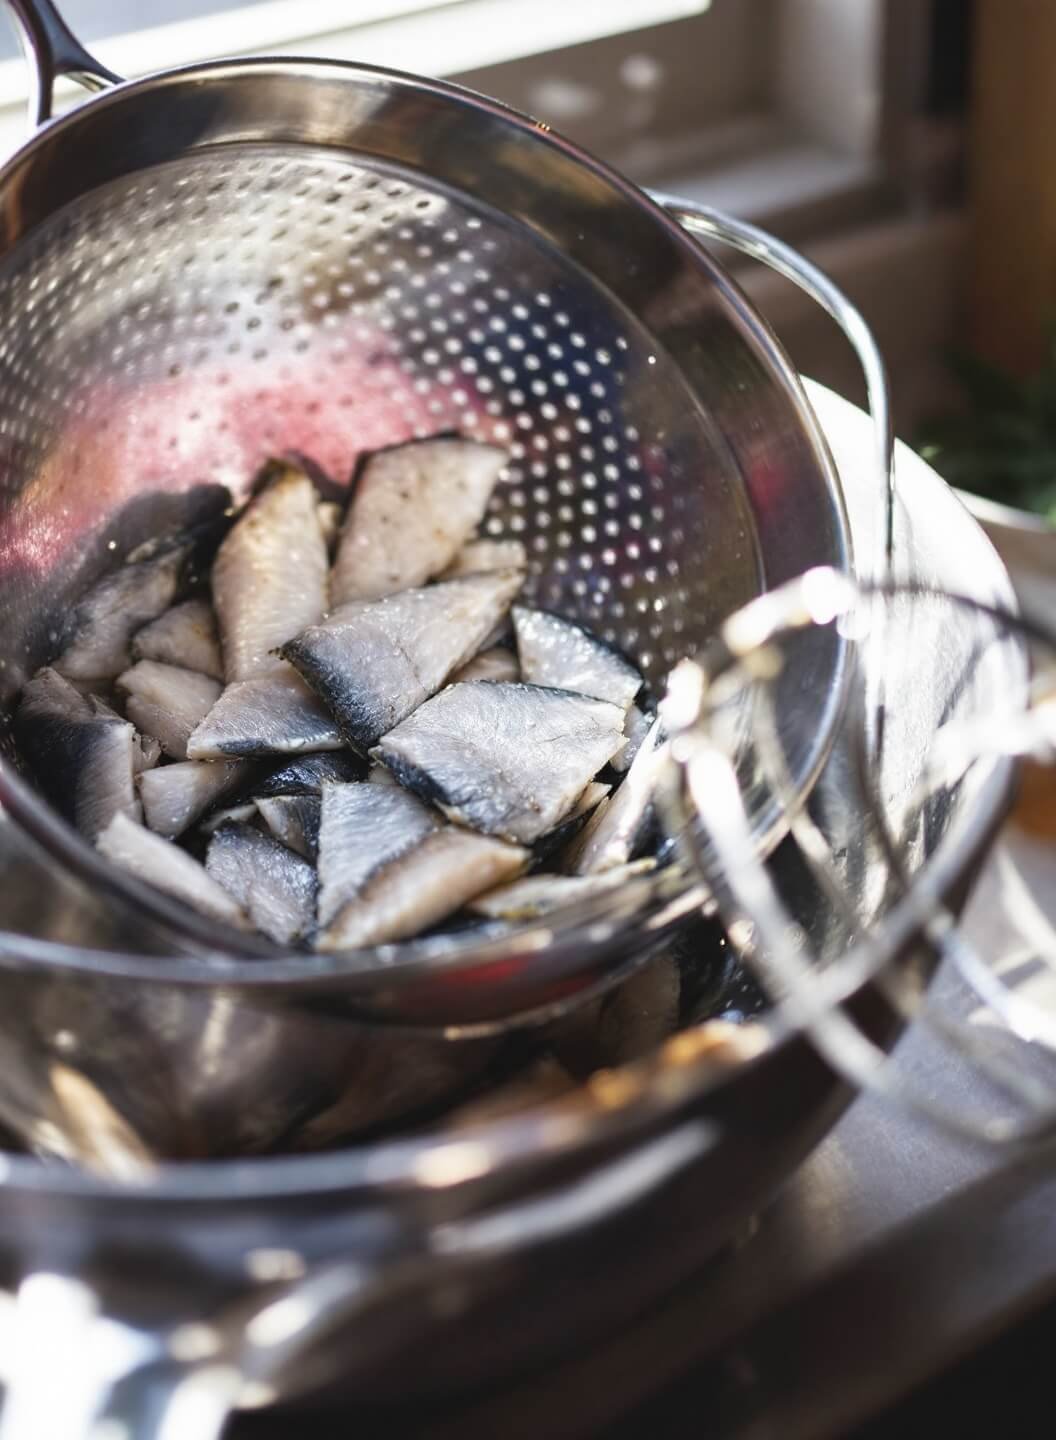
270, 575
363, 828
186, 636
272, 884
307, 774
167, 702
613, 832
100, 626
497, 663
556, 652
375, 661
174, 796
231, 815
166, 866
413, 508
540, 894
146, 751
84, 760
294, 821
481, 555
274, 714
424, 886
636, 728
506, 759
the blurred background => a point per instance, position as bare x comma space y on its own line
900, 143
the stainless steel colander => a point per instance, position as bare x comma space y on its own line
206, 267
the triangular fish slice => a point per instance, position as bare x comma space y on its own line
537, 895
294, 821
167, 702
363, 828
85, 762
413, 508
272, 884
175, 795
480, 555
614, 831
186, 636
100, 626
506, 759
554, 651
373, 662
164, 865
270, 575
423, 887
272, 715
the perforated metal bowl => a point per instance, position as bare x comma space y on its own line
213, 265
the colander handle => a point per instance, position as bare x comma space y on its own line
53, 50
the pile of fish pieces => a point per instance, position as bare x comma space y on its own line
357, 733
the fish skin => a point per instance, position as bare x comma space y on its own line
306, 774
554, 651
363, 828
185, 635
270, 576
167, 702
273, 885
485, 753
412, 509
274, 714
373, 662
233, 814
613, 833
498, 663
540, 894
164, 865
100, 626
481, 555
430, 882
84, 761
294, 821
174, 796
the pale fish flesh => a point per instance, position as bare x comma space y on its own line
497, 663
556, 652
363, 828
614, 832
186, 636
540, 894
174, 796
412, 509
419, 889
273, 715
168, 868
167, 702
481, 555
375, 661
293, 820
100, 626
270, 575
506, 759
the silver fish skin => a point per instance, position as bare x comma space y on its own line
363, 828
100, 627
274, 714
481, 555
174, 796
636, 728
421, 888
294, 821
497, 663
84, 761
168, 868
272, 884
540, 894
167, 702
612, 833
413, 508
507, 759
270, 576
307, 774
554, 651
373, 662
186, 636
